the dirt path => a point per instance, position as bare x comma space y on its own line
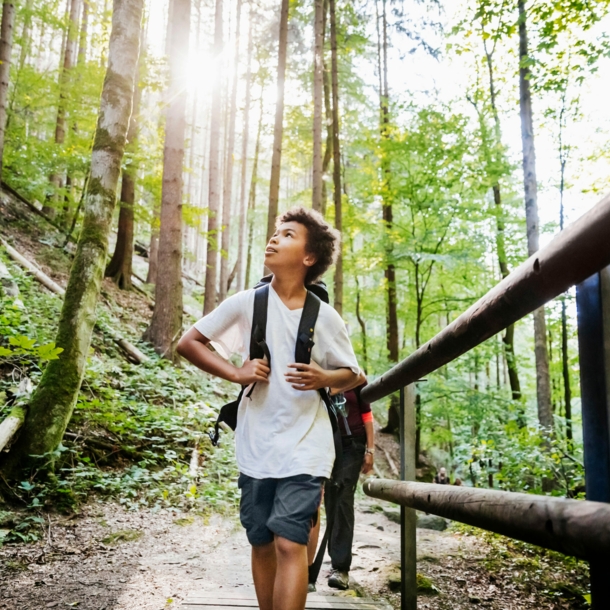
112, 559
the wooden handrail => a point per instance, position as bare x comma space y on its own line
575, 254
574, 527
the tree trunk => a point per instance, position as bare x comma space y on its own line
508, 339
6, 46
243, 210
51, 405
387, 214
120, 266
166, 323
26, 33
278, 129
82, 43
336, 157
328, 149
153, 249
214, 180
69, 59
318, 83
543, 384
565, 356
228, 185
252, 197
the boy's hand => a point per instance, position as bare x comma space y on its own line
307, 376
253, 371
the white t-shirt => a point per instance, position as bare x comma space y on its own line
281, 432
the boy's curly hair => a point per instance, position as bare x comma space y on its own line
322, 239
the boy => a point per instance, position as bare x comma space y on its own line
283, 438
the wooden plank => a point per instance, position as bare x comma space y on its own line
338, 603
222, 601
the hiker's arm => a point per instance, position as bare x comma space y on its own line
194, 347
359, 381
367, 464
313, 377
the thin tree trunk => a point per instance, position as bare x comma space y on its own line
6, 46
228, 185
278, 129
153, 249
336, 157
243, 211
69, 59
387, 214
508, 339
166, 323
328, 149
120, 266
82, 43
214, 180
252, 197
26, 34
565, 356
51, 405
318, 83
543, 384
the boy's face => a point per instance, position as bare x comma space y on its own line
287, 249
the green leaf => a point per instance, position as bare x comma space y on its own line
22, 341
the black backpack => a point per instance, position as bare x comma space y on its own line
302, 353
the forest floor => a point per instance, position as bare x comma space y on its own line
108, 558
147, 553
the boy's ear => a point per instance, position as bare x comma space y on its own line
310, 260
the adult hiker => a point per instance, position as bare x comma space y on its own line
358, 443
283, 437
441, 477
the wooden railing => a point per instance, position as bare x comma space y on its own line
578, 256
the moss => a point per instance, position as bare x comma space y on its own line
425, 585
122, 536
184, 521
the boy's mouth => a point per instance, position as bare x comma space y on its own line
270, 250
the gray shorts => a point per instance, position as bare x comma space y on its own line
283, 507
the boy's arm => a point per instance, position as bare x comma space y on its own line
193, 347
313, 377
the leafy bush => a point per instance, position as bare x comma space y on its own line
138, 433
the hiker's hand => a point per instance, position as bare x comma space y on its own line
367, 463
253, 371
307, 376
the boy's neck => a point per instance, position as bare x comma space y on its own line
291, 290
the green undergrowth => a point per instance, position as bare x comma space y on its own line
559, 577
138, 434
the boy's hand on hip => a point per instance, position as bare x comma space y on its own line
253, 371
307, 376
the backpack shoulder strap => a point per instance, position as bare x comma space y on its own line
307, 325
258, 344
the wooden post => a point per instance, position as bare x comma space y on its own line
408, 542
593, 303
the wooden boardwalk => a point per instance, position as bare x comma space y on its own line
227, 600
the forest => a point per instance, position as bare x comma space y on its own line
146, 149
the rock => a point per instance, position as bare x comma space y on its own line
424, 585
427, 522
394, 580
431, 522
